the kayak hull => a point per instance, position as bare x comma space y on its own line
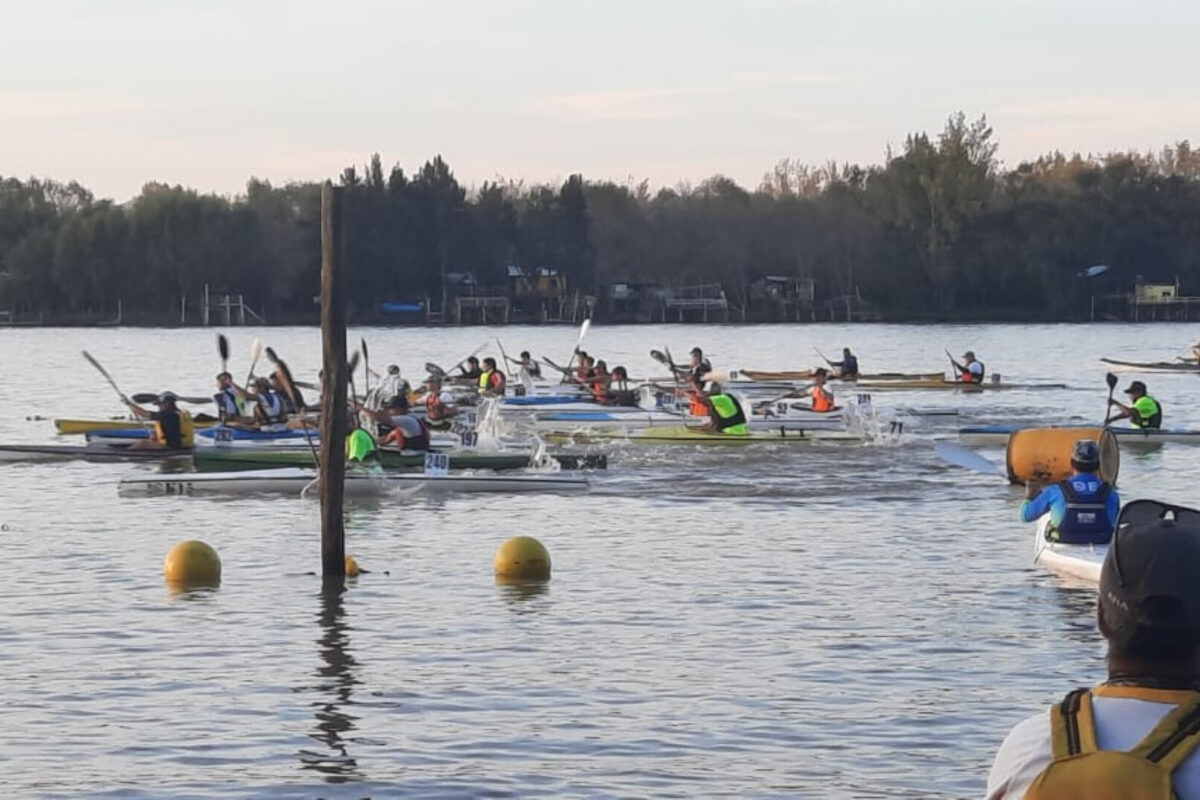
997, 436
220, 459
78, 427
14, 453
293, 481
1164, 367
694, 436
808, 374
1079, 561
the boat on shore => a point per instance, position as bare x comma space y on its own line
1185, 367
997, 435
294, 480
1080, 561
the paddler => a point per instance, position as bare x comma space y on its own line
173, 429
393, 383
1148, 611
492, 381
230, 399
725, 414
529, 366
1083, 509
700, 365
584, 371
599, 382
971, 370
405, 430
1143, 410
822, 398
439, 404
268, 404
848, 366
471, 372
619, 393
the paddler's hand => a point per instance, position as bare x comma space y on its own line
1032, 490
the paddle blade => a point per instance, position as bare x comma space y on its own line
274, 359
255, 349
434, 370
353, 363
366, 357
967, 458
658, 356
583, 330
1111, 380
285, 377
144, 397
223, 348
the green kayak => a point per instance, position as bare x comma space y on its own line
223, 459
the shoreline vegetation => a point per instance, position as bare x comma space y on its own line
940, 232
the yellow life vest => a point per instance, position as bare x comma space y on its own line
1081, 771
484, 378
187, 430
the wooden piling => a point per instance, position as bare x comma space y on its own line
333, 385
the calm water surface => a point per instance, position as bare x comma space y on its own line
804, 622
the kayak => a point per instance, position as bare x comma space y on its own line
1152, 366
684, 435
808, 374
958, 386
217, 459
542, 399
293, 480
793, 416
69, 427
219, 434
1080, 561
997, 435
92, 452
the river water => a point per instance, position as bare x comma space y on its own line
825, 622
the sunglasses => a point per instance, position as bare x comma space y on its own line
1148, 512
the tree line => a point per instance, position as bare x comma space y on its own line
939, 230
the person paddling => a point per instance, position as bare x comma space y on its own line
492, 382
230, 399
528, 366
403, 430
1143, 410
1134, 735
269, 408
700, 365
822, 398
173, 429
971, 370
848, 366
725, 414
439, 404
1083, 509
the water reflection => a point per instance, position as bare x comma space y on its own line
517, 593
338, 680
1076, 605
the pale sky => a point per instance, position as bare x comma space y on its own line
115, 94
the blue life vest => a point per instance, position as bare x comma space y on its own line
1086, 520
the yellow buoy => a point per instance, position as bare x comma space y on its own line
351, 567
192, 563
523, 558
1044, 454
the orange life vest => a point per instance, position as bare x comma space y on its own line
822, 399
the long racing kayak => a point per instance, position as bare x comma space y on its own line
997, 435
293, 480
92, 452
808, 374
1152, 366
76, 427
685, 435
954, 386
217, 459
1080, 561
219, 434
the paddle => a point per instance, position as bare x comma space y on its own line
223, 349
503, 354
1111, 380
434, 370
150, 397
352, 366
583, 330
953, 363
459, 365
966, 458
107, 377
366, 367
285, 380
552, 365
255, 352
823, 358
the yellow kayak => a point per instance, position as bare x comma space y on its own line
686, 435
76, 427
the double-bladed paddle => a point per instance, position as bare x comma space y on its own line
967, 458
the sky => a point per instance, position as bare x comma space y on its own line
115, 94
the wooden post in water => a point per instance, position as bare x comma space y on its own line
333, 385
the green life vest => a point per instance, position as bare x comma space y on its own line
730, 417
359, 445
1149, 412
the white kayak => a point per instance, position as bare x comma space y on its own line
293, 480
997, 435
1081, 561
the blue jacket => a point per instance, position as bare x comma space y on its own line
1052, 500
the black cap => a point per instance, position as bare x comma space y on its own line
165, 397
696, 351
1085, 455
1149, 591
1137, 387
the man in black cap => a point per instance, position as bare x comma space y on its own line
1143, 410
971, 370
1149, 612
173, 429
699, 366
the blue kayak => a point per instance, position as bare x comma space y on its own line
218, 433
545, 399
